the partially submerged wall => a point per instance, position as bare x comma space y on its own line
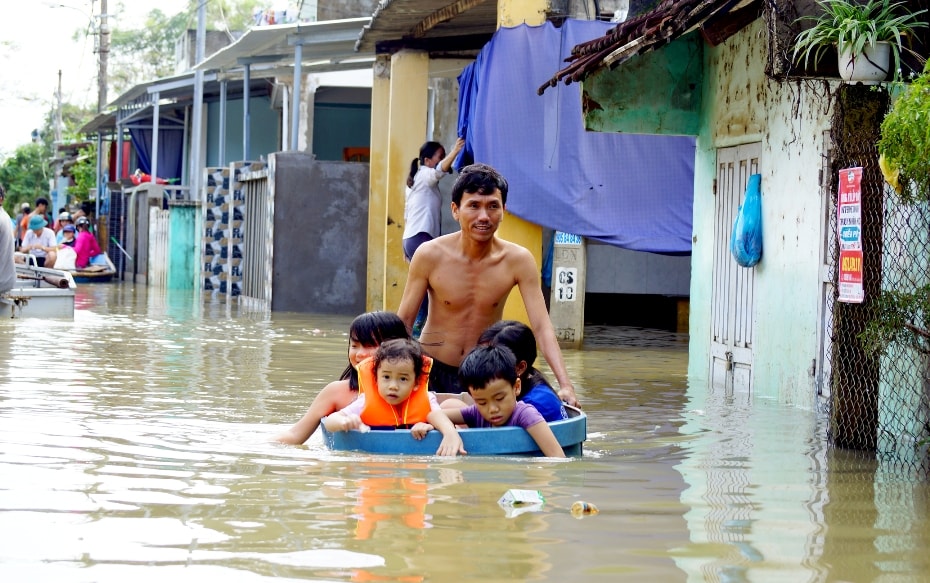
320, 235
742, 106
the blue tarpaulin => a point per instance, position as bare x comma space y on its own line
632, 191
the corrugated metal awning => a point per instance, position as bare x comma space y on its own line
327, 46
429, 23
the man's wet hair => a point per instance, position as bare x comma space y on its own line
485, 364
479, 179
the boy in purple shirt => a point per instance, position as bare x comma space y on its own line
490, 373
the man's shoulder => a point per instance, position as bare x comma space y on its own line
514, 252
438, 246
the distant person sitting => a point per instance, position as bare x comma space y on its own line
67, 236
64, 218
40, 242
41, 210
490, 374
86, 245
7, 246
66, 253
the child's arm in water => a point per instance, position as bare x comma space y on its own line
329, 400
451, 440
545, 439
340, 421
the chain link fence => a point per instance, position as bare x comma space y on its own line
879, 357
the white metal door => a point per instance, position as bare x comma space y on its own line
827, 269
732, 311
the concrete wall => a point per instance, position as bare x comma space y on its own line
320, 239
742, 106
619, 271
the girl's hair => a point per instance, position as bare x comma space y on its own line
371, 329
427, 150
519, 338
401, 349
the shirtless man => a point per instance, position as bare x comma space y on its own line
468, 276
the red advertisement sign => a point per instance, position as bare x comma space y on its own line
849, 234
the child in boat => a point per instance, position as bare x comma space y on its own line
534, 388
393, 394
490, 373
366, 332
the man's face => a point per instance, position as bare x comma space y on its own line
479, 215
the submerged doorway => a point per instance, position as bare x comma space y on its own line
732, 311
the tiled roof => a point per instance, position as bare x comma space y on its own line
666, 22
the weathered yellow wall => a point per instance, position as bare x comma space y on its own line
516, 12
406, 128
377, 191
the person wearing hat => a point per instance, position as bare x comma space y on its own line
64, 220
40, 242
66, 253
67, 237
41, 210
7, 247
86, 246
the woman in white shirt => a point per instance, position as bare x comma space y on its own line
423, 201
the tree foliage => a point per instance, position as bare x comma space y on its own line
147, 53
84, 173
905, 139
25, 175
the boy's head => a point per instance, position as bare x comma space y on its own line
479, 179
399, 366
490, 374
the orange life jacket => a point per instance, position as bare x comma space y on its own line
379, 413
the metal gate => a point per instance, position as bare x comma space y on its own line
732, 308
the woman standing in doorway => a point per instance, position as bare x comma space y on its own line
423, 202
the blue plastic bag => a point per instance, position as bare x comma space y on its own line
746, 239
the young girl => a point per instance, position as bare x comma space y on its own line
423, 201
393, 387
366, 333
536, 390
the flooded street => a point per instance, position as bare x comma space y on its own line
135, 445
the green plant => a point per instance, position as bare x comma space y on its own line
853, 26
905, 139
84, 173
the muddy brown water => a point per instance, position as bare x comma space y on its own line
134, 445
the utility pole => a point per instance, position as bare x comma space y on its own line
103, 53
58, 111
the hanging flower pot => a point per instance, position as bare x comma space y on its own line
869, 67
859, 28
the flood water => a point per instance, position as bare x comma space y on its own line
135, 446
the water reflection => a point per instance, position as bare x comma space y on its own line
134, 443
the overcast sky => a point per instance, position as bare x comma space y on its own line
36, 41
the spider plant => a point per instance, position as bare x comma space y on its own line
853, 27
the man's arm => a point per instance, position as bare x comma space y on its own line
415, 290
530, 290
